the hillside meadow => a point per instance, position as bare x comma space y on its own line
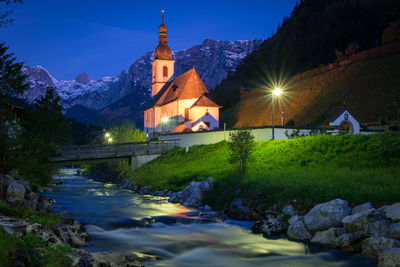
357, 168
366, 88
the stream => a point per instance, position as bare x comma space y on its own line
120, 220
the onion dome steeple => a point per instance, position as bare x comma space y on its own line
162, 51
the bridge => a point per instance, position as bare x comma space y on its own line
136, 153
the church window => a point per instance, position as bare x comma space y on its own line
165, 71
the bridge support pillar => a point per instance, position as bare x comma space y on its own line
139, 160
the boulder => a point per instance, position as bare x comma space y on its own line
298, 231
362, 207
16, 189
238, 211
294, 219
45, 234
13, 226
358, 221
31, 201
378, 228
393, 212
326, 215
193, 194
328, 237
372, 246
394, 231
389, 258
350, 242
114, 259
271, 227
289, 210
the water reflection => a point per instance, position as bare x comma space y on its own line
115, 218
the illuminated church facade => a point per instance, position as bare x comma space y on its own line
180, 104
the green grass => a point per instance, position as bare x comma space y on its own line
49, 219
14, 249
357, 168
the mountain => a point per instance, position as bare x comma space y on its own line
129, 91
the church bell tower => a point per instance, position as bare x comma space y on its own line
163, 65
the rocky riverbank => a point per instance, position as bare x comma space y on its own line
374, 232
24, 214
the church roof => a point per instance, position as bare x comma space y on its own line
205, 101
186, 86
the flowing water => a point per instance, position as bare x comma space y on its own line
120, 220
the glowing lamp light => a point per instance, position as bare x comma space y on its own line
110, 139
107, 135
164, 119
277, 91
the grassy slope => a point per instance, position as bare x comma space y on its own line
364, 88
310, 169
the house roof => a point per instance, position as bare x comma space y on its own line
181, 128
186, 86
338, 115
205, 101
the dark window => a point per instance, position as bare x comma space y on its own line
165, 71
186, 114
207, 123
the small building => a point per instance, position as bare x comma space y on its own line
180, 104
344, 122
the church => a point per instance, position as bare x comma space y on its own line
180, 104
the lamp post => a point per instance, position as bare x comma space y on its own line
275, 93
164, 121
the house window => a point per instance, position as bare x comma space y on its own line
165, 71
207, 123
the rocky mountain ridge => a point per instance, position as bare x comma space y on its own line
213, 61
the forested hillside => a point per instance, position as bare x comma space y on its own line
309, 38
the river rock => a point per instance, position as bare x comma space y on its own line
363, 207
16, 189
328, 237
294, 219
45, 234
298, 231
13, 226
358, 221
238, 211
114, 259
326, 215
389, 258
270, 227
372, 246
393, 212
350, 241
378, 228
394, 231
193, 194
31, 201
289, 210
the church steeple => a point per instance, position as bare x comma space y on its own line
163, 65
162, 51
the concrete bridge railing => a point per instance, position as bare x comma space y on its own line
137, 153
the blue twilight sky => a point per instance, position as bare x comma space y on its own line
103, 37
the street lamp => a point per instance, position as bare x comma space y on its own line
275, 93
164, 121
109, 140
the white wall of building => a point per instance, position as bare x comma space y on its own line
212, 137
